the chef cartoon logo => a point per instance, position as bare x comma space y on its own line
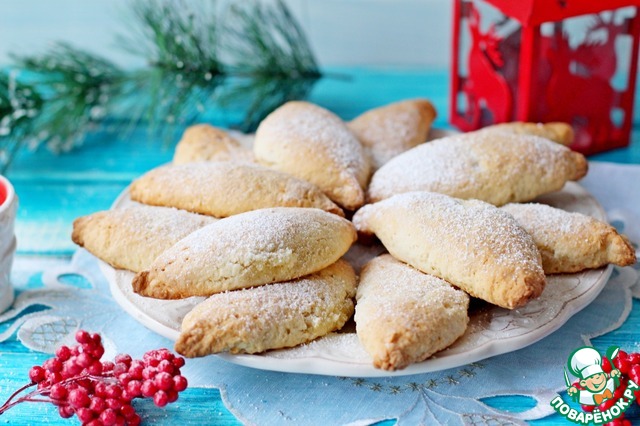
594, 386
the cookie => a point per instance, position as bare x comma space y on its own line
313, 144
246, 250
469, 243
559, 132
498, 168
273, 316
571, 242
203, 142
404, 316
132, 237
392, 129
223, 189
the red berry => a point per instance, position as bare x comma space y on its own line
97, 340
126, 397
79, 398
95, 369
607, 404
161, 398
113, 391
622, 364
634, 373
123, 358
37, 374
107, 366
85, 414
166, 366
114, 404
98, 404
124, 378
83, 336
149, 373
606, 365
63, 353
172, 396
97, 352
178, 362
148, 388
66, 411
180, 383
84, 360
135, 372
53, 377
164, 381
94, 422
127, 411
58, 391
153, 362
101, 389
134, 420
134, 388
634, 358
71, 368
53, 364
120, 368
108, 417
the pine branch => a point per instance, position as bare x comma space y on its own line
77, 89
173, 37
255, 56
265, 40
19, 104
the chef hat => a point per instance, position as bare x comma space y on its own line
585, 362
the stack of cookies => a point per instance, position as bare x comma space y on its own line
262, 231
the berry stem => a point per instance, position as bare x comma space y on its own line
10, 403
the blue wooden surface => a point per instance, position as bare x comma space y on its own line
54, 190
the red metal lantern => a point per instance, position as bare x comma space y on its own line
547, 60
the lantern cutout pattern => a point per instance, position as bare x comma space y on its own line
547, 60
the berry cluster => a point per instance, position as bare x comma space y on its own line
629, 366
100, 393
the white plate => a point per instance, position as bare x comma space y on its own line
492, 330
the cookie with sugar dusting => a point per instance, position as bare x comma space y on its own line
498, 168
314, 144
273, 316
203, 142
392, 129
132, 237
571, 242
469, 243
247, 250
559, 132
404, 316
222, 188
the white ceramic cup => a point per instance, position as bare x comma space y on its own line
8, 207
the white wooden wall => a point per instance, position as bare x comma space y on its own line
342, 32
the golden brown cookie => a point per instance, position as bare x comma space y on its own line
405, 316
571, 242
247, 250
313, 144
203, 142
559, 132
272, 316
132, 237
222, 188
469, 243
392, 129
498, 168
